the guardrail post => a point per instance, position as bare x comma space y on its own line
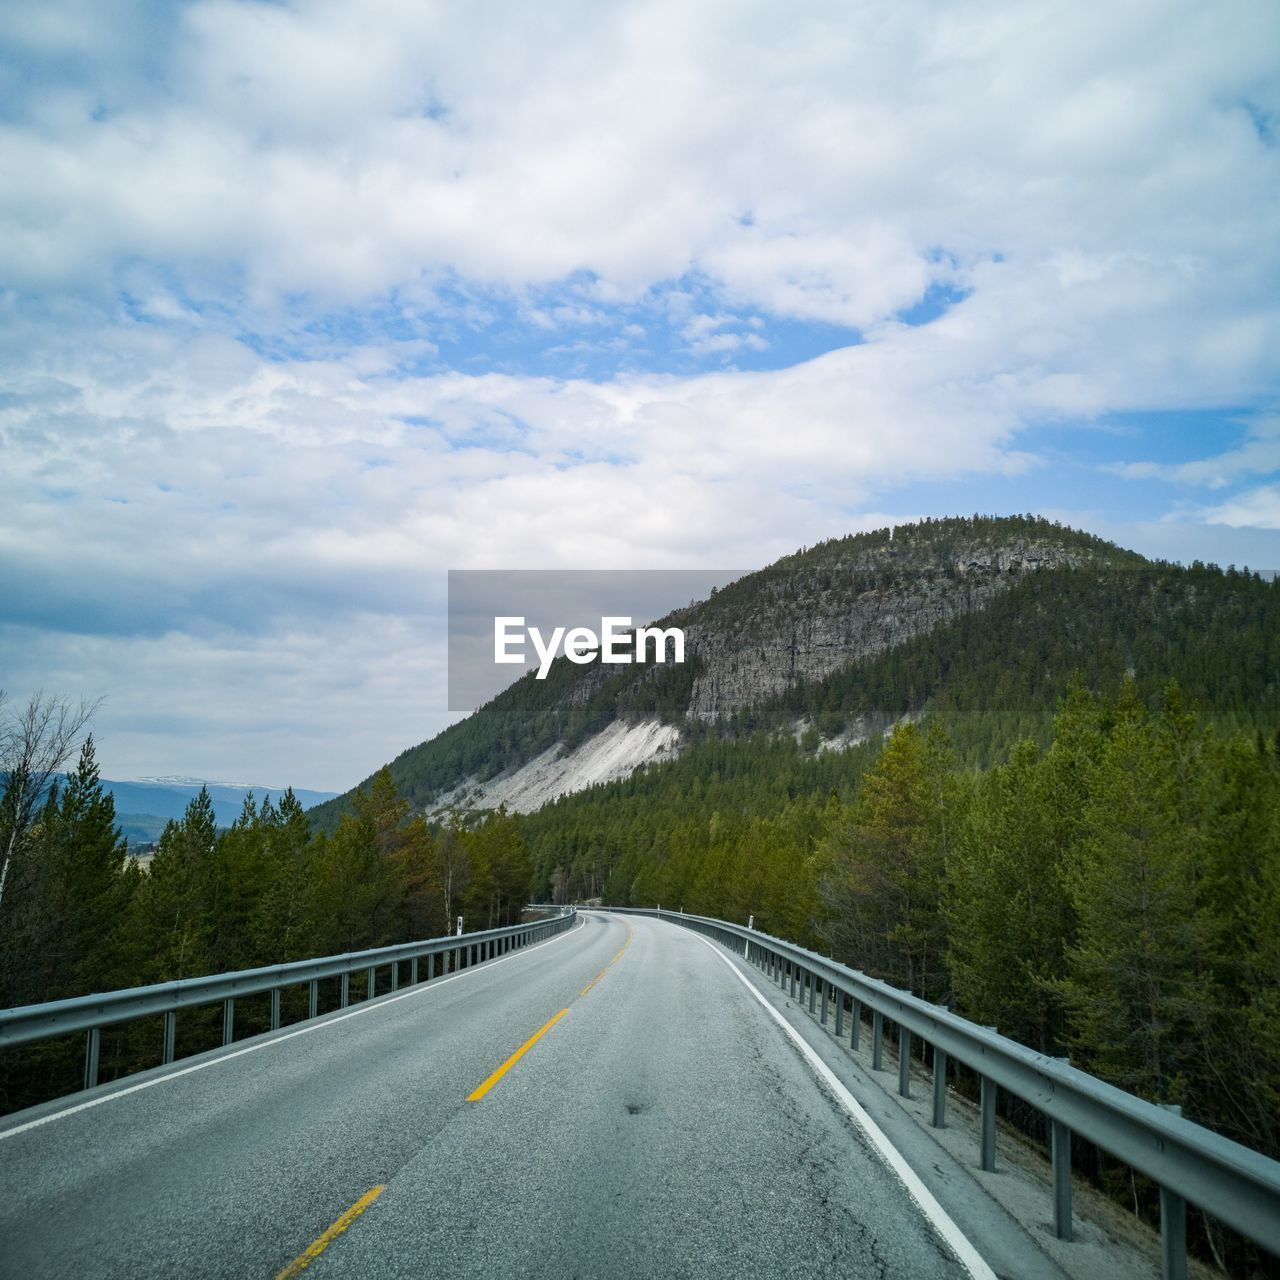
92, 1050
170, 1036
814, 987
855, 1022
904, 1062
1173, 1226
1060, 1154
275, 1008
1173, 1235
370, 976
939, 1088
987, 1153
791, 969
345, 994
877, 1040
395, 975
228, 1020
313, 997
839, 1013
413, 972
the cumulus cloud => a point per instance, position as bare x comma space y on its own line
813, 162
275, 277
1254, 508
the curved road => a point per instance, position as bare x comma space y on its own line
663, 1125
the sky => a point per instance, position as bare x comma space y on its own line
305, 303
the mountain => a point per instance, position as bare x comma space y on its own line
983, 617
144, 805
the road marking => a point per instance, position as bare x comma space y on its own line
476, 1094
941, 1221
381, 1002
329, 1235
480, 1090
625, 945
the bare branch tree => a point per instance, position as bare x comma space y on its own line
35, 743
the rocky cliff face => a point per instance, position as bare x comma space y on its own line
807, 619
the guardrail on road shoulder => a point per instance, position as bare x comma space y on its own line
89, 1014
1188, 1162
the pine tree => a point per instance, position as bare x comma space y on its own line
1008, 918
1134, 981
882, 865
278, 925
66, 911
173, 912
356, 893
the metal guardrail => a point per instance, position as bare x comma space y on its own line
89, 1014
1189, 1163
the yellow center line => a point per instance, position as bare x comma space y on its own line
319, 1245
610, 965
476, 1094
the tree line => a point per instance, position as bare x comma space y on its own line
79, 914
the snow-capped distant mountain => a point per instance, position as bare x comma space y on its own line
178, 780
144, 805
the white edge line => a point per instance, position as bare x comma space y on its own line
380, 1002
941, 1221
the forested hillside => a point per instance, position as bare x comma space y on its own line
818, 611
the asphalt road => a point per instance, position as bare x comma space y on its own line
664, 1125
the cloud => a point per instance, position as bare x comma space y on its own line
1259, 455
1254, 508
282, 284
812, 164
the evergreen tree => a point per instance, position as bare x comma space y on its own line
1134, 979
882, 865
173, 919
66, 910
1007, 914
279, 919
356, 894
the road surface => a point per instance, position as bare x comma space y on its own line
662, 1124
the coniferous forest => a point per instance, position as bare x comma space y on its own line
80, 915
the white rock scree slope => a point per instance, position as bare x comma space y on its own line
663, 1125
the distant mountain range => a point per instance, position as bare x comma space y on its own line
982, 620
144, 805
